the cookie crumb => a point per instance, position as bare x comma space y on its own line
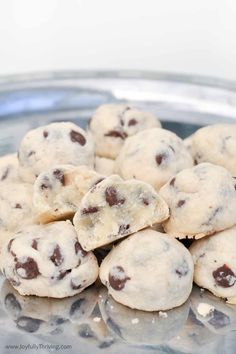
205, 309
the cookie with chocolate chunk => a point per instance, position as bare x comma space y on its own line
153, 156
54, 144
58, 191
215, 263
202, 201
9, 168
114, 209
48, 261
148, 271
111, 124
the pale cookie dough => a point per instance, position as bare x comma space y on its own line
104, 165
54, 144
153, 156
9, 168
15, 206
148, 271
188, 143
215, 263
216, 144
141, 328
36, 315
111, 124
114, 209
58, 191
48, 261
199, 200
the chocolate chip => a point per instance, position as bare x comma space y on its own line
9, 245
145, 201
28, 324
56, 257
58, 174
89, 210
180, 203
122, 122
46, 184
219, 319
182, 270
160, 158
172, 182
77, 137
31, 153
74, 286
34, 244
171, 148
76, 306
18, 206
116, 134
123, 229
132, 122
62, 274
224, 276
117, 278
12, 304
92, 189
112, 197
30, 268
78, 248
45, 134
5, 174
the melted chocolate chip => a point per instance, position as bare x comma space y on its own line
12, 304
74, 286
62, 274
18, 206
117, 278
46, 184
76, 306
182, 270
56, 257
180, 203
123, 229
89, 210
132, 122
34, 244
112, 197
28, 324
59, 175
30, 268
116, 134
31, 153
224, 276
172, 182
78, 248
45, 134
9, 245
5, 174
77, 137
160, 158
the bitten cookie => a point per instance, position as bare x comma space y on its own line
48, 261
54, 144
114, 209
215, 263
58, 192
216, 144
111, 124
148, 271
199, 200
153, 156
9, 168
104, 166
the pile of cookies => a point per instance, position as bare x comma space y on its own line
126, 191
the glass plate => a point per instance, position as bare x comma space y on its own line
92, 322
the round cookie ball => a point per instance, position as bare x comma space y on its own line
48, 261
54, 144
104, 165
111, 124
9, 168
148, 271
199, 200
216, 144
215, 263
153, 156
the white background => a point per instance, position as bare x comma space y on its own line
188, 36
